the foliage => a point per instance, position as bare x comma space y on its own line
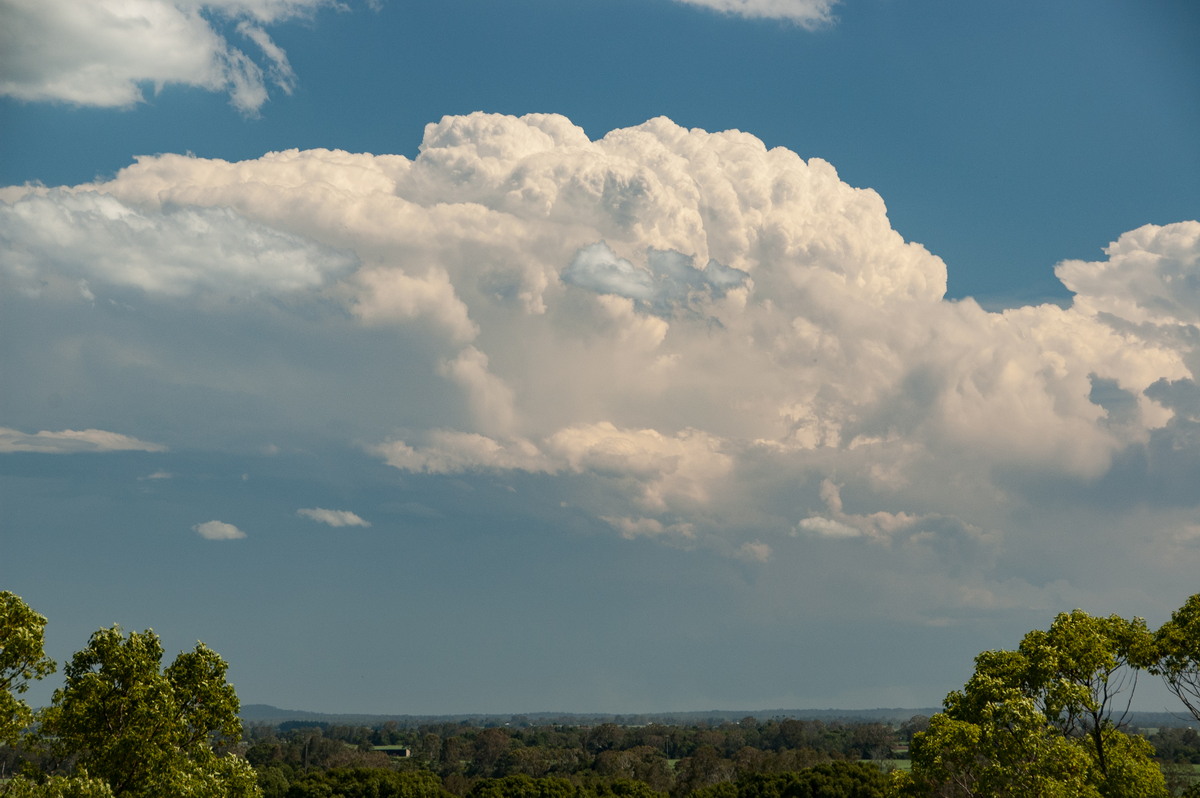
21, 660
626, 788
838, 779
1044, 719
58, 787
521, 786
148, 732
1008, 748
1179, 650
365, 782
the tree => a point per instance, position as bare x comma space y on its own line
522, 786
1008, 748
704, 767
21, 660
1044, 719
837, 779
1080, 666
145, 731
1075, 672
1178, 642
626, 788
58, 787
374, 782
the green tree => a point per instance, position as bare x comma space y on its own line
640, 763
703, 768
522, 786
1006, 749
1076, 672
1178, 643
21, 660
1044, 719
837, 779
1079, 668
146, 731
57, 787
358, 781
626, 788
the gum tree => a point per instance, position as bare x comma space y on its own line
1178, 643
1044, 719
144, 730
21, 660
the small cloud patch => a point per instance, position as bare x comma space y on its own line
337, 518
218, 530
754, 551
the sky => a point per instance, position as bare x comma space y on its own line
508, 356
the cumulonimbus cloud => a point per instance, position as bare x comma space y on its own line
699, 329
104, 52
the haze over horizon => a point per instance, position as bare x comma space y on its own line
614, 356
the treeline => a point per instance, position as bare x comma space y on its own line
751, 758
600, 760
836, 779
1047, 719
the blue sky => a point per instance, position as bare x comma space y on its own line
523, 385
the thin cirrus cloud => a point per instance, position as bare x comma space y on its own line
102, 52
689, 337
218, 530
334, 518
806, 13
70, 441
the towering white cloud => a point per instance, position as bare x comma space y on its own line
698, 339
1152, 276
105, 52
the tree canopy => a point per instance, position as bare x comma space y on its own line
22, 660
144, 730
1178, 643
1045, 719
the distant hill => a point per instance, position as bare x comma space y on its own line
264, 714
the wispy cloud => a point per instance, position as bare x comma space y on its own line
336, 518
806, 13
101, 52
69, 441
631, 528
218, 530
